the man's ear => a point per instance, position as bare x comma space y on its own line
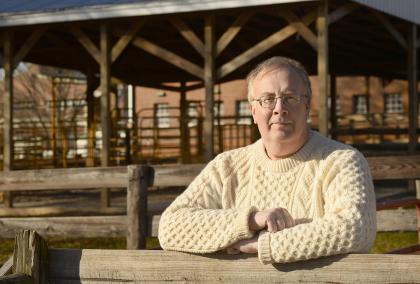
252, 109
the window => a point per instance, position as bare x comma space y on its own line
218, 106
243, 113
360, 104
393, 103
161, 115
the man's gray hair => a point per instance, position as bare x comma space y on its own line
279, 62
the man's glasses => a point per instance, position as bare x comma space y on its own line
271, 101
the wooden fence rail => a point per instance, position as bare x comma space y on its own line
136, 225
120, 266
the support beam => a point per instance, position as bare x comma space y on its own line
333, 109
188, 34
209, 80
92, 84
26, 47
8, 110
391, 29
233, 30
87, 43
262, 46
105, 87
125, 40
169, 57
183, 125
322, 29
412, 89
299, 26
341, 12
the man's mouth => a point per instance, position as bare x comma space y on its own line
279, 122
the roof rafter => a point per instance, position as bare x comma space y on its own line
188, 34
125, 40
232, 31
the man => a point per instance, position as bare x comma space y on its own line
292, 195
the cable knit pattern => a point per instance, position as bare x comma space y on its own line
326, 186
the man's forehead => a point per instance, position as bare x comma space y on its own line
293, 77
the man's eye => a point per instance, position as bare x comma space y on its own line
268, 100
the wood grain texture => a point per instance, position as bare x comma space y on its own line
75, 178
395, 167
148, 266
73, 227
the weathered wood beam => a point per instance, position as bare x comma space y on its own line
86, 42
63, 179
116, 266
105, 87
7, 267
209, 81
140, 177
8, 66
169, 56
262, 46
125, 40
323, 62
30, 42
391, 29
188, 34
232, 31
341, 12
412, 89
299, 26
8, 145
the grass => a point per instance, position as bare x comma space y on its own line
385, 241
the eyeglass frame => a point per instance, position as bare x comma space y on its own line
297, 97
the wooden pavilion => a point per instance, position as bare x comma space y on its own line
153, 43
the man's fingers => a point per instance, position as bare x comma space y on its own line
272, 225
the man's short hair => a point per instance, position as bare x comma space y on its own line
279, 62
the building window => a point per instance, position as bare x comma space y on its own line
360, 104
218, 111
393, 103
243, 113
161, 115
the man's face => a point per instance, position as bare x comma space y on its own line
285, 121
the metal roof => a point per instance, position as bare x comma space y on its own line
30, 12
405, 9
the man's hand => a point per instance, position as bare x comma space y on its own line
246, 246
274, 220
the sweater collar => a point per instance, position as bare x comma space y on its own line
283, 165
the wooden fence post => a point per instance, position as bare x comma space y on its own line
140, 178
30, 259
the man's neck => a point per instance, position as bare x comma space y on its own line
279, 150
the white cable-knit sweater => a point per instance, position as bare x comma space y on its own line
326, 186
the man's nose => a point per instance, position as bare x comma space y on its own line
279, 107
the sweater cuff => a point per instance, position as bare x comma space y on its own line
242, 223
264, 252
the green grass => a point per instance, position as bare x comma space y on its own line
384, 242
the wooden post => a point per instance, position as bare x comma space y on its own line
54, 122
209, 72
140, 178
30, 258
92, 84
8, 146
183, 125
322, 28
333, 109
412, 89
105, 68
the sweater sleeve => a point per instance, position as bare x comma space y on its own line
349, 220
196, 222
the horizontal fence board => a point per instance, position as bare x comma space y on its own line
63, 179
147, 266
176, 175
116, 226
395, 167
73, 227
